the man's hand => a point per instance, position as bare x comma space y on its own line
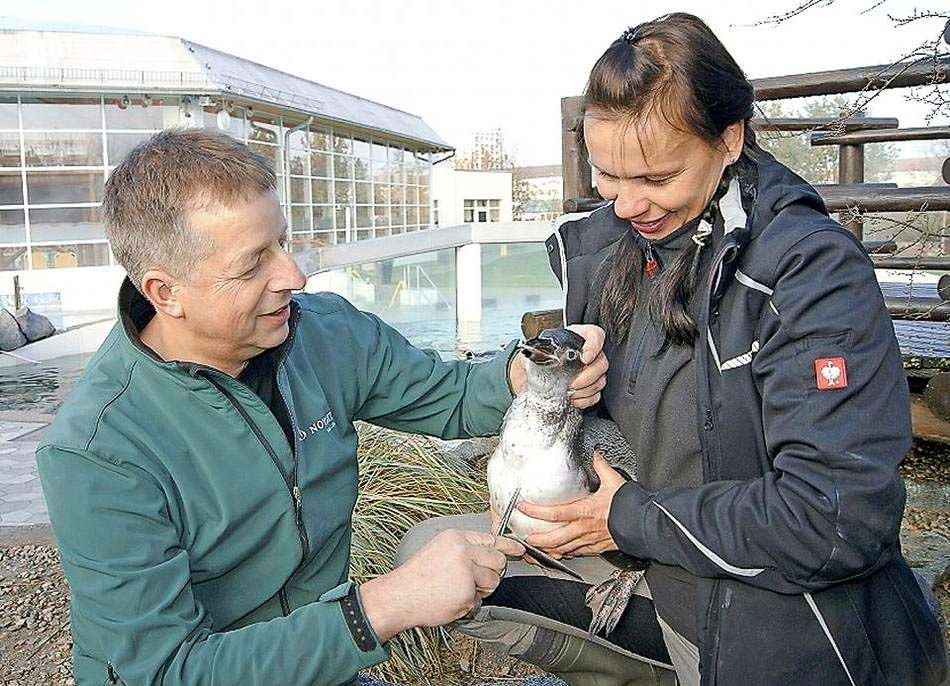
583, 529
444, 581
590, 381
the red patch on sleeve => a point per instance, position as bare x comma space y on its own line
831, 373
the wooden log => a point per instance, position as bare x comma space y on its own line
925, 423
924, 133
900, 75
931, 198
937, 395
889, 262
925, 309
879, 247
854, 123
838, 198
533, 323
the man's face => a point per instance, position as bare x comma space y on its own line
236, 303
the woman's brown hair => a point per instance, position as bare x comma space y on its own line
676, 68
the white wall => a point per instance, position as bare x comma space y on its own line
80, 291
451, 187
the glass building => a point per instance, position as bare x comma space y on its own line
348, 168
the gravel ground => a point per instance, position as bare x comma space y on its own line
34, 603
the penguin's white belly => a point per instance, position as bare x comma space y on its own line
546, 475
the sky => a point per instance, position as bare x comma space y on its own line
475, 66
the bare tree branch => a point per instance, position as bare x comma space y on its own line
776, 19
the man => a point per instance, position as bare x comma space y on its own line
201, 477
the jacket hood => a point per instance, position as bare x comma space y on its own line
776, 188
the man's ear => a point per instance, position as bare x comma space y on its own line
162, 291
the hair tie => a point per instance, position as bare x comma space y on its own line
629, 35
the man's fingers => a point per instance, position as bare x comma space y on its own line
486, 580
502, 544
490, 559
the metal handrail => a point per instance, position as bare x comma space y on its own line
323, 259
59, 76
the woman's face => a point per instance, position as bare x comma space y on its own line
659, 178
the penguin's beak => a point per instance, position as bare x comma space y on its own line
541, 351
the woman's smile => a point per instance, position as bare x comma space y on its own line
651, 227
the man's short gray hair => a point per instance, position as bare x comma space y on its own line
148, 197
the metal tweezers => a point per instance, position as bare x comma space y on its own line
542, 557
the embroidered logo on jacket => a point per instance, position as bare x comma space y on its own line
325, 423
831, 373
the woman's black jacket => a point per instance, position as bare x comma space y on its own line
803, 416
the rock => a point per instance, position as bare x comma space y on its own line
11, 337
928, 553
34, 326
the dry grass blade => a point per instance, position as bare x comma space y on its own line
405, 480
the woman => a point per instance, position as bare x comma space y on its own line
754, 370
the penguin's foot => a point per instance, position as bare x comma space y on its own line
608, 599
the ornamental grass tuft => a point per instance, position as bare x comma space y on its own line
403, 480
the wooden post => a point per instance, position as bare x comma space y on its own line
16, 293
851, 171
575, 169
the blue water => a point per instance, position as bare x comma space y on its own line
42, 387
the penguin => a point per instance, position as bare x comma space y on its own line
546, 448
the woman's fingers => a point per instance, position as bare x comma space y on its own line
554, 513
556, 538
593, 337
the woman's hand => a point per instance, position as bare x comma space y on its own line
583, 529
590, 381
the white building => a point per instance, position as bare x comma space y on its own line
539, 195
462, 196
74, 100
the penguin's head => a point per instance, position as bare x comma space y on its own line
555, 348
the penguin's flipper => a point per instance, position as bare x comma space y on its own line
604, 435
608, 600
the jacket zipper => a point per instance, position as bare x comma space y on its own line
706, 426
290, 482
651, 263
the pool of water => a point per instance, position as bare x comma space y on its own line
42, 387
39, 387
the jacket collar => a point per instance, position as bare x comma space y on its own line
135, 312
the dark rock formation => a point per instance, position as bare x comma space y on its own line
11, 337
34, 326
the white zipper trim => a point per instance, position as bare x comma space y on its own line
718, 561
561, 221
742, 359
712, 348
747, 280
824, 627
730, 206
772, 305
